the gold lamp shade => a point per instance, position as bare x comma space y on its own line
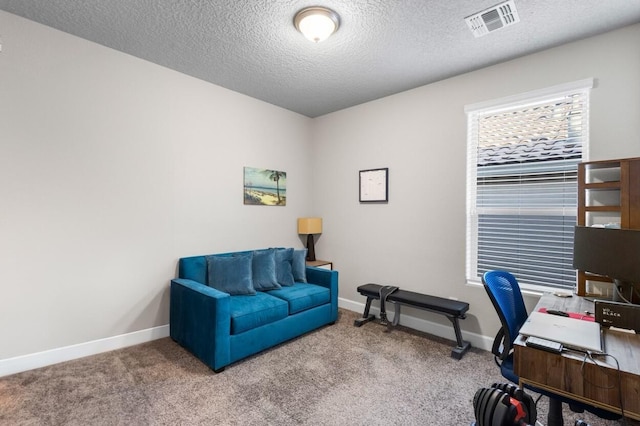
309, 226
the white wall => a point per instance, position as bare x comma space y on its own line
417, 240
111, 168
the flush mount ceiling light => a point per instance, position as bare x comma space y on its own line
317, 23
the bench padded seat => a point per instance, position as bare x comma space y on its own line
423, 301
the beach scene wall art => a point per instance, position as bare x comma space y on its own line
265, 187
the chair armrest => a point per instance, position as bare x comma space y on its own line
325, 278
200, 320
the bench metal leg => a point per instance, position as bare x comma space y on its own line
463, 346
396, 314
365, 316
396, 318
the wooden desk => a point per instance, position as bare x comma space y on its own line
564, 374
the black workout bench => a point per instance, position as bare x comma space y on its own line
452, 309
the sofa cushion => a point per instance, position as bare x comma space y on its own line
284, 273
299, 266
248, 312
231, 274
302, 296
193, 268
263, 267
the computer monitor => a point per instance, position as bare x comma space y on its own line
612, 252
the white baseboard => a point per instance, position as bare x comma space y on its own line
440, 330
54, 356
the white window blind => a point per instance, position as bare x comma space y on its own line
522, 185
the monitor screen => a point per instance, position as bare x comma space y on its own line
614, 253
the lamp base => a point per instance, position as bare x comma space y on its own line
311, 250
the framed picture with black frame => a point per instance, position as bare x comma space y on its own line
374, 185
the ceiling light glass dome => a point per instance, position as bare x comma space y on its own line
317, 23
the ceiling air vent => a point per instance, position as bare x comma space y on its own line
492, 19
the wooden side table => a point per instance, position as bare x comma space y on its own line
324, 264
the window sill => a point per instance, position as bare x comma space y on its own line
527, 289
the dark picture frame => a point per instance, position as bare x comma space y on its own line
374, 185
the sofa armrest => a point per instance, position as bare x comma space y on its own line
326, 278
200, 320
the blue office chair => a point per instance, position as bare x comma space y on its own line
504, 291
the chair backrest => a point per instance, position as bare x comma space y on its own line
504, 291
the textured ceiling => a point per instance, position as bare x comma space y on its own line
382, 46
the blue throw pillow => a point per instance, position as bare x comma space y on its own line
263, 268
231, 274
284, 272
299, 266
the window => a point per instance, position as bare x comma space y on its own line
522, 193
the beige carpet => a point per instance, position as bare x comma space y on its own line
338, 375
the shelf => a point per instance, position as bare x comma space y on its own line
595, 186
599, 278
602, 208
613, 187
603, 164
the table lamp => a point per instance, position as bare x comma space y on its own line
309, 226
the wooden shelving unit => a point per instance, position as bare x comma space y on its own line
608, 193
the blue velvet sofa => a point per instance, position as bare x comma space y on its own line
222, 313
